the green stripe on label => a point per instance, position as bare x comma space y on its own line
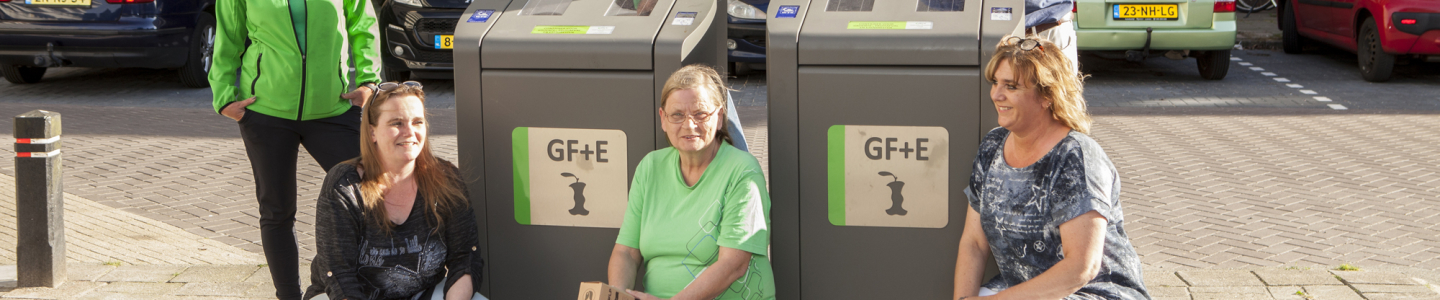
561, 29
876, 25
835, 156
520, 154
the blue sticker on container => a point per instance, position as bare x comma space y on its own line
480, 15
787, 11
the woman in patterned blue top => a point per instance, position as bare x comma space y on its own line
1044, 198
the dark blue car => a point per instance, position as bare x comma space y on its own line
40, 34
747, 35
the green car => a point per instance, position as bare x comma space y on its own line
1206, 28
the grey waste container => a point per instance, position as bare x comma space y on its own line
876, 111
556, 101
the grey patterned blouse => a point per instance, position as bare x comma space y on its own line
1021, 210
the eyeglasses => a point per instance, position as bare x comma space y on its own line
700, 117
387, 86
1026, 44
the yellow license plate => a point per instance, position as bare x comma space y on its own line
444, 41
59, 2
1146, 12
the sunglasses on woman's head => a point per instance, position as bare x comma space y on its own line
387, 86
1026, 44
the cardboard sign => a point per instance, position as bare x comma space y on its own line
889, 176
570, 176
595, 290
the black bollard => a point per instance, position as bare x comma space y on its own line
39, 200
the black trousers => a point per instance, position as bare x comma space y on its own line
272, 145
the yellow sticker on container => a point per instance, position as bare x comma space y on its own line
890, 25
569, 29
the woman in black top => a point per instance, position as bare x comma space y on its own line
395, 222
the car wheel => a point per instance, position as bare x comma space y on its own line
21, 75
740, 69
1375, 64
196, 71
1290, 36
1213, 64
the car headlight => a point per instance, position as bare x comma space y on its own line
415, 3
745, 10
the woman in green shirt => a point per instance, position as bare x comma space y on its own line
699, 212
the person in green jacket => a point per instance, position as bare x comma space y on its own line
294, 82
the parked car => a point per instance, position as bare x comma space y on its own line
1378, 31
746, 34
1204, 29
418, 37
40, 34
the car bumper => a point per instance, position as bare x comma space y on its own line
1426, 32
749, 42
414, 34
126, 44
1219, 37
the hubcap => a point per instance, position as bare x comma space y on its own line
208, 51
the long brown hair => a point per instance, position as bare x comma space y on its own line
437, 178
1046, 68
708, 85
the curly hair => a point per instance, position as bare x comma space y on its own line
1047, 68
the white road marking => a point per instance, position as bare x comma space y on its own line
1257, 69
1294, 85
1322, 98
1246, 64
1267, 73
1308, 92
1281, 79
1338, 107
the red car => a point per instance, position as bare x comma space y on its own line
1378, 31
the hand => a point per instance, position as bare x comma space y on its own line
358, 96
236, 110
642, 295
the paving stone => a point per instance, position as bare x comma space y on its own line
1335, 292
234, 273
1211, 278
1168, 291
86, 271
1390, 288
98, 295
267, 289
1159, 279
1369, 277
1373, 296
230, 289
69, 289
8, 277
143, 273
157, 288
1297, 277
1287, 292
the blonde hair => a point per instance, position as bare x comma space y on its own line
435, 179
708, 86
1047, 68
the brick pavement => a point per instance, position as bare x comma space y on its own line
99, 234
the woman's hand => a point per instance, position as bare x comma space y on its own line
237, 110
358, 96
642, 295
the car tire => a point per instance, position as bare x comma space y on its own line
196, 71
22, 75
1290, 38
1375, 64
1213, 64
740, 69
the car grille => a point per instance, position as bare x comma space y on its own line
434, 56
757, 40
427, 29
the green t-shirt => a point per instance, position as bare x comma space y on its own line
680, 229
297, 17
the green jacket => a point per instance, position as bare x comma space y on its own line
286, 82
